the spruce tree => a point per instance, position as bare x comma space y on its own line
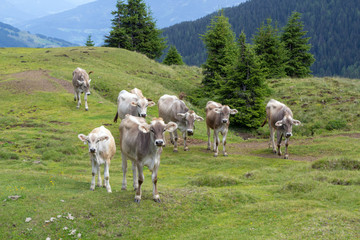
134, 29
268, 47
173, 57
299, 59
245, 88
89, 42
220, 45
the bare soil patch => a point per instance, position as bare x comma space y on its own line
36, 80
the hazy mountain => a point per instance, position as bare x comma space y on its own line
13, 37
95, 17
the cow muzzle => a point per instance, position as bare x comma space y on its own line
88, 93
142, 115
159, 142
224, 120
92, 150
190, 132
287, 135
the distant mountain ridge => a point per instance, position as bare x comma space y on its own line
13, 37
333, 27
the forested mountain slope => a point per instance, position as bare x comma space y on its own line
333, 26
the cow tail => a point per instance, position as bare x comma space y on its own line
116, 117
264, 122
90, 72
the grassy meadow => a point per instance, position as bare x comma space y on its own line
251, 194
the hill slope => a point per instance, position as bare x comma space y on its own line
13, 37
332, 25
252, 193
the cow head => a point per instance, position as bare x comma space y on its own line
141, 106
157, 128
286, 124
190, 117
84, 85
93, 141
225, 112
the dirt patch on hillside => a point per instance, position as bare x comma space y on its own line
36, 80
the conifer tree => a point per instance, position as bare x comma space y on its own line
173, 57
299, 59
220, 45
246, 89
268, 47
134, 29
89, 42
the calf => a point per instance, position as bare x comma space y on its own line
142, 143
101, 150
81, 83
173, 109
217, 118
280, 118
133, 103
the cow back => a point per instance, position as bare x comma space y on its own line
169, 107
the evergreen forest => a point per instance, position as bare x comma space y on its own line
331, 25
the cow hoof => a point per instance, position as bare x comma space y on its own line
86, 109
92, 189
215, 155
225, 155
77, 107
123, 188
137, 199
175, 150
208, 148
274, 151
286, 157
186, 149
157, 200
109, 190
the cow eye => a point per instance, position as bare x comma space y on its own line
152, 130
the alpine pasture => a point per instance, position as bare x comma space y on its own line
250, 194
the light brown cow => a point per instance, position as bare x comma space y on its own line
81, 83
280, 118
217, 118
142, 143
133, 103
173, 109
101, 150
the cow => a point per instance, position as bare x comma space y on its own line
133, 103
101, 150
280, 118
173, 109
81, 82
217, 118
142, 143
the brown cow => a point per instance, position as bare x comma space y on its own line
142, 143
217, 118
101, 150
173, 109
81, 83
280, 118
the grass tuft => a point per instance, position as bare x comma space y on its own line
215, 181
336, 164
298, 187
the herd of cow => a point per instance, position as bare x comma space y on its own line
142, 142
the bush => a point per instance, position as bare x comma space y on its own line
335, 124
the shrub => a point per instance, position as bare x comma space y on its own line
335, 124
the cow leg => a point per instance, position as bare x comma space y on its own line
140, 181
185, 145
99, 175
107, 176
209, 142
156, 196
124, 169
272, 138
75, 96
279, 139
172, 138
216, 143
286, 156
85, 100
135, 182
93, 170
224, 142
78, 99
175, 141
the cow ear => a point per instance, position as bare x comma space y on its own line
89, 80
144, 128
134, 103
83, 138
171, 126
151, 103
198, 118
296, 122
279, 123
103, 138
181, 114
233, 111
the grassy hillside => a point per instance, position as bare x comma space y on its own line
250, 194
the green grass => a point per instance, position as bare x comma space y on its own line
251, 194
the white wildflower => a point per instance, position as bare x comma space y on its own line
70, 217
65, 228
52, 219
73, 231
28, 219
59, 216
79, 235
62, 200
48, 238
